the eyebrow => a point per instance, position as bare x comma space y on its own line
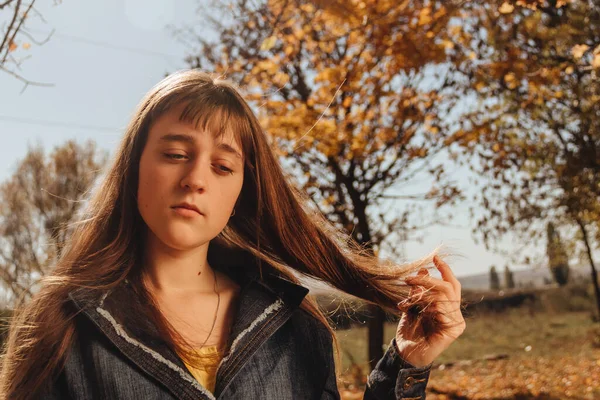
182, 137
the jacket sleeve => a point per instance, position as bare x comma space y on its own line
57, 390
394, 378
330, 391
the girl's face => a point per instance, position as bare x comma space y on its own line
181, 164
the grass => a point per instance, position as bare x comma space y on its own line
551, 355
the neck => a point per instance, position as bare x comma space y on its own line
172, 271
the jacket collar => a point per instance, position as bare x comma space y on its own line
265, 303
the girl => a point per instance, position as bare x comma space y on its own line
180, 280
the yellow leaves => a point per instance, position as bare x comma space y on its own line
26, 46
511, 80
596, 59
332, 75
569, 70
448, 44
472, 55
479, 86
326, 47
329, 200
425, 16
506, 8
281, 78
347, 102
578, 50
440, 13
268, 43
455, 30
12, 46
433, 129
419, 152
265, 66
289, 50
559, 94
309, 8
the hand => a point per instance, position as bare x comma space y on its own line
446, 300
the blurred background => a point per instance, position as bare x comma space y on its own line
410, 123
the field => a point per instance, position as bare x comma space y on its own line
550, 351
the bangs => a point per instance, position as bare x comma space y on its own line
217, 111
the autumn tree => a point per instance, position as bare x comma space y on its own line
494, 279
356, 101
14, 33
509, 279
37, 203
535, 128
558, 260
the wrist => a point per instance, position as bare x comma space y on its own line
410, 353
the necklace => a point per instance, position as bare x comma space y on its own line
216, 311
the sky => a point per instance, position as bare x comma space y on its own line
102, 58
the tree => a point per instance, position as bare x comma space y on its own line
36, 205
536, 132
356, 103
558, 261
494, 279
13, 29
509, 280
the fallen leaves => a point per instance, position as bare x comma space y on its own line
565, 377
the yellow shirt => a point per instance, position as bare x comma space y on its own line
207, 374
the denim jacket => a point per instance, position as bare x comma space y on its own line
276, 351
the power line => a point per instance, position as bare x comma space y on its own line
106, 44
56, 123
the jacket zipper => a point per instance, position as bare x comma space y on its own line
239, 360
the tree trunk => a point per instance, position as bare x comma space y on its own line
375, 325
377, 315
592, 265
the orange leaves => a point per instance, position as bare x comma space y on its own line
268, 43
570, 376
425, 16
333, 75
596, 59
511, 80
578, 50
506, 8
267, 66
417, 152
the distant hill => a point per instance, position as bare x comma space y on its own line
523, 278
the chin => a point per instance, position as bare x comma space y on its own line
182, 241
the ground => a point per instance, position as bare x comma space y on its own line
516, 354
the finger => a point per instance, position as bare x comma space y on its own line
429, 282
447, 273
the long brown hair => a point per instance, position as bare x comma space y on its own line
273, 222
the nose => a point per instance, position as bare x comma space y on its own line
196, 176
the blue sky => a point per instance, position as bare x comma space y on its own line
102, 59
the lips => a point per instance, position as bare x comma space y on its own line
188, 206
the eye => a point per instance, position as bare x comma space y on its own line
173, 156
224, 169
